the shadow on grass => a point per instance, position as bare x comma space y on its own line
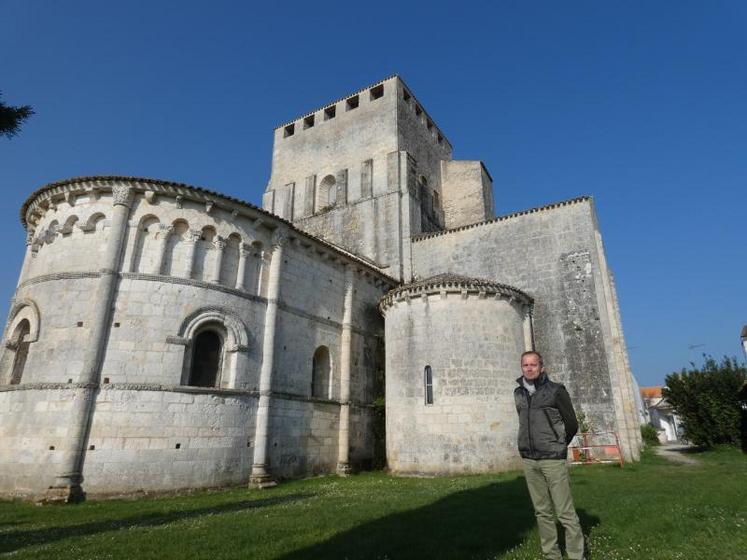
478, 523
15, 540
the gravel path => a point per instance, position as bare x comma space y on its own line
677, 453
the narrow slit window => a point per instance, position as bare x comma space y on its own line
406, 95
308, 122
377, 92
440, 139
418, 110
429, 124
428, 382
352, 103
289, 130
330, 112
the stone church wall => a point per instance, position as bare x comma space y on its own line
186, 264
553, 254
470, 343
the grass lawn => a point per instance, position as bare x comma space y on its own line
654, 509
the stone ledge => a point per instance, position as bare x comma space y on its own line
423, 236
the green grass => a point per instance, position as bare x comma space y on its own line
654, 509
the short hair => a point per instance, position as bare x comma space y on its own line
539, 356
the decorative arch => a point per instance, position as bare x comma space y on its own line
328, 190
144, 252
94, 222
230, 263
177, 254
229, 337
67, 229
205, 254
321, 373
22, 331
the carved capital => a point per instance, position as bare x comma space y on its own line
279, 238
194, 235
122, 194
245, 250
164, 230
219, 243
29, 237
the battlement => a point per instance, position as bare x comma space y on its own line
393, 84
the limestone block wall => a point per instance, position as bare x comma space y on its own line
468, 338
555, 255
146, 439
189, 261
35, 428
467, 193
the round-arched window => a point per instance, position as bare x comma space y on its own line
206, 359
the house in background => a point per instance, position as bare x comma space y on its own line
660, 414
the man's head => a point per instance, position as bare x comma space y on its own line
531, 365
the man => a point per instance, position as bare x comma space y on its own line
547, 424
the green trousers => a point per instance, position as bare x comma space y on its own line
550, 489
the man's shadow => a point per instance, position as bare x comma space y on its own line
478, 523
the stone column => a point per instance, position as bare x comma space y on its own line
260, 476
220, 244
164, 230
245, 252
193, 237
528, 332
264, 258
27, 256
343, 439
68, 485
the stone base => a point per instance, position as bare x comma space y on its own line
261, 479
72, 494
344, 469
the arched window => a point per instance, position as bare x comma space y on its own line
328, 190
428, 383
206, 359
20, 339
321, 371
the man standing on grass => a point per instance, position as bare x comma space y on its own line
547, 424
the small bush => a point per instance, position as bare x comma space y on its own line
650, 435
706, 400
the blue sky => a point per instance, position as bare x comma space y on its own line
640, 104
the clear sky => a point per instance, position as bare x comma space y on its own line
642, 105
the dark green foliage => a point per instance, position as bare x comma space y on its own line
650, 435
706, 400
11, 118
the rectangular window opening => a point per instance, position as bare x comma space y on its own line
352, 103
308, 122
377, 92
330, 112
289, 130
428, 380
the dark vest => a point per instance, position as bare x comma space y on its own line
541, 427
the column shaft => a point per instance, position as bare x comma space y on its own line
260, 476
343, 440
68, 486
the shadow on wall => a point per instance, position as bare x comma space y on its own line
479, 523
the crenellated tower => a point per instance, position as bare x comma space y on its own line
369, 171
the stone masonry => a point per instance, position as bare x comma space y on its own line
164, 336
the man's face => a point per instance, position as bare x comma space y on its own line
531, 367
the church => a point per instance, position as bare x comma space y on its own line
164, 336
